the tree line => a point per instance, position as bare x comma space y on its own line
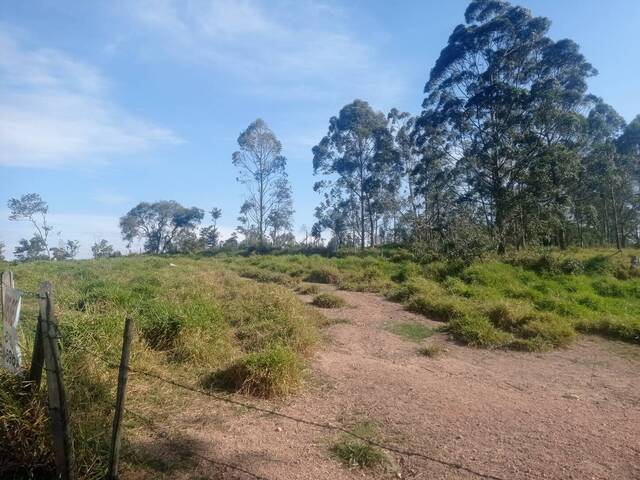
510, 150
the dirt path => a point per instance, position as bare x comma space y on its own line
568, 414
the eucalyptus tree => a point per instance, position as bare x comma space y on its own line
163, 225
262, 170
102, 249
501, 92
358, 152
33, 209
210, 235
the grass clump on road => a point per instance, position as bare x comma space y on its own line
433, 350
308, 289
328, 300
357, 452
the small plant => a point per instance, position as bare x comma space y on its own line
328, 300
432, 351
356, 453
309, 290
413, 331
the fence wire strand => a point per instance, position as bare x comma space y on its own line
326, 426
157, 430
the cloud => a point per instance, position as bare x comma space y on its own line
285, 49
55, 111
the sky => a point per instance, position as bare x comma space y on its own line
104, 104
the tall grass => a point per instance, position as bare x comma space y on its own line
194, 320
526, 301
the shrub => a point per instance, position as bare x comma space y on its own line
273, 372
328, 300
324, 275
608, 287
308, 290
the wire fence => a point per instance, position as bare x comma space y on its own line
233, 401
303, 421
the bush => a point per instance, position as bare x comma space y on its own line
308, 290
324, 275
273, 372
328, 300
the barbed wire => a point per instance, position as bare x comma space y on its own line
154, 427
313, 423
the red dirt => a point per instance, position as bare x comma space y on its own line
567, 414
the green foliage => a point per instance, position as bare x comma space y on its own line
328, 300
192, 319
324, 275
413, 331
25, 446
356, 453
273, 372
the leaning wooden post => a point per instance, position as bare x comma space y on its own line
58, 411
37, 358
123, 374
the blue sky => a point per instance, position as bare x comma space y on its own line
107, 103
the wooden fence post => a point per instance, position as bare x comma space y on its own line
58, 411
123, 374
37, 357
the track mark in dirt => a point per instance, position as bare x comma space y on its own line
567, 414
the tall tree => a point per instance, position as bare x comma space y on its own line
262, 170
209, 235
2, 251
103, 249
66, 250
33, 209
160, 224
500, 93
359, 149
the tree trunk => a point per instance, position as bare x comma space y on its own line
615, 219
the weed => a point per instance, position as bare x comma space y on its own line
328, 300
356, 453
433, 350
324, 275
308, 289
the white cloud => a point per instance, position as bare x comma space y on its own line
285, 49
56, 111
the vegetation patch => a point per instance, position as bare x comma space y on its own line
328, 300
432, 350
308, 289
274, 372
413, 331
356, 453
324, 275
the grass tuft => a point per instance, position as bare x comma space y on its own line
274, 372
328, 300
433, 350
356, 453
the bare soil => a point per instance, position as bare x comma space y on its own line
566, 414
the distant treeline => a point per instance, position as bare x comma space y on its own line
509, 151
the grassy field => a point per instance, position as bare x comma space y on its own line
529, 301
197, 323
200, 322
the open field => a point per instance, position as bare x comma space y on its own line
393, 369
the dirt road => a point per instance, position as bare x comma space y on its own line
567, 414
